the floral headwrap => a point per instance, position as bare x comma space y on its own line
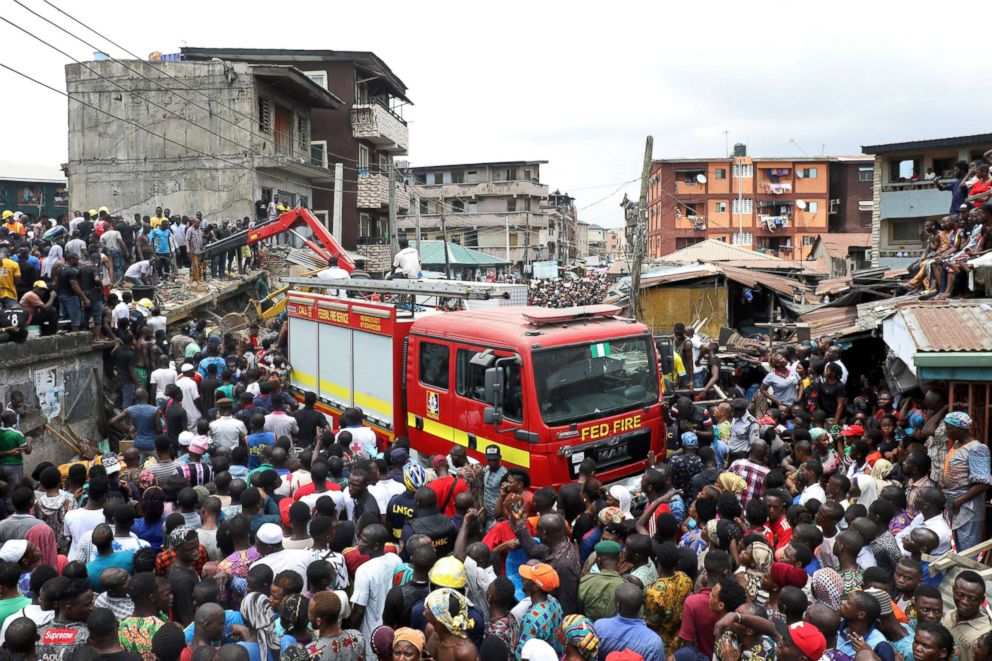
577, 631
439, 604
609, 515
958, 419
146, 479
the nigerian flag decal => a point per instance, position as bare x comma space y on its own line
600, 350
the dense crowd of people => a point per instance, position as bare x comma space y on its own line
566, 292
797, 518
61, 271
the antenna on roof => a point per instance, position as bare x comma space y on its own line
798, 146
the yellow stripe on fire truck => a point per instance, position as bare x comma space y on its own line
513, 455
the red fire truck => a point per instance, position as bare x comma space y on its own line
549, 387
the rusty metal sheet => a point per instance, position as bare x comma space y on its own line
950, 327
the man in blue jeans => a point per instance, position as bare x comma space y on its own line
71, 295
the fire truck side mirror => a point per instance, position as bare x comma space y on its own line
491, 416
494, 386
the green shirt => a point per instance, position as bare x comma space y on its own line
10, 606
10, 439
192, 349
597, 592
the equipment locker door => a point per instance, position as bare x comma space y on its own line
372, 376
335, 354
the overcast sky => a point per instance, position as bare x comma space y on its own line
579, 84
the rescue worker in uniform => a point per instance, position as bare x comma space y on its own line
428, 520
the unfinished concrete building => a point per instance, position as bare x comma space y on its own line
191, 136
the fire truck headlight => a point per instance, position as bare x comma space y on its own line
565, 451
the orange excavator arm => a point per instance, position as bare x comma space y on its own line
323, 242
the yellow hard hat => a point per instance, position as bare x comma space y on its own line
448, 572
92, 212
8, 214
146, 303
104, 210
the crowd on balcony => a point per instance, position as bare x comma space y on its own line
959, 237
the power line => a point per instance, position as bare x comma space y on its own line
148, 131
251, 119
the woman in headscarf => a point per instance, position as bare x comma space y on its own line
447, 612
332, 641
48, 263
382, 643
827, 587
619, 496
731, 482
260, 621
579, 637
408, 644
756, 562
43, 537
966, 479
867, 486
724, 535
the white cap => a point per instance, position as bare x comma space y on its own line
269, 533
186, 437
13, 550
186, 368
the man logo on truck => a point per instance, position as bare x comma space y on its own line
433, 405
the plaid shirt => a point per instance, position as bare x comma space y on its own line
194, 240
164, 560
754, 474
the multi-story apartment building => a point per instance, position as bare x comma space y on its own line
364, 135
206, 147
773, 205
909, 178
497, 208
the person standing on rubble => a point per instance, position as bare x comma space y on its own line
160, 239
194, 247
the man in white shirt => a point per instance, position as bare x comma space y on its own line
191, 395
373, 579
363, 439
123, 309
406, 264
161, 378
810, 473
334, 272
279, 422
833, 356
140, 273
268, 542
930, 502
227, 431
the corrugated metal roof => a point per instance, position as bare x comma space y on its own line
11, 171
432, 253
949, 327
830, 321
838, 245
752, 278
712, 250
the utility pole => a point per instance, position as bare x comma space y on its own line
638, 237
394, 239
527, 242
338, 199
444, 239
416, 206
506, 223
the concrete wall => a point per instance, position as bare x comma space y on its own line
75, 360
200, 162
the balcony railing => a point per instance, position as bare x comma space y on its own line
773, 188
378, 124
373, 192
773, 223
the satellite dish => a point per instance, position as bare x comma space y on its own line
701, 178
154, 56
801, 204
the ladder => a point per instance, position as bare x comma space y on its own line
451, 290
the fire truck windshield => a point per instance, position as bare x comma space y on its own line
588, 381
